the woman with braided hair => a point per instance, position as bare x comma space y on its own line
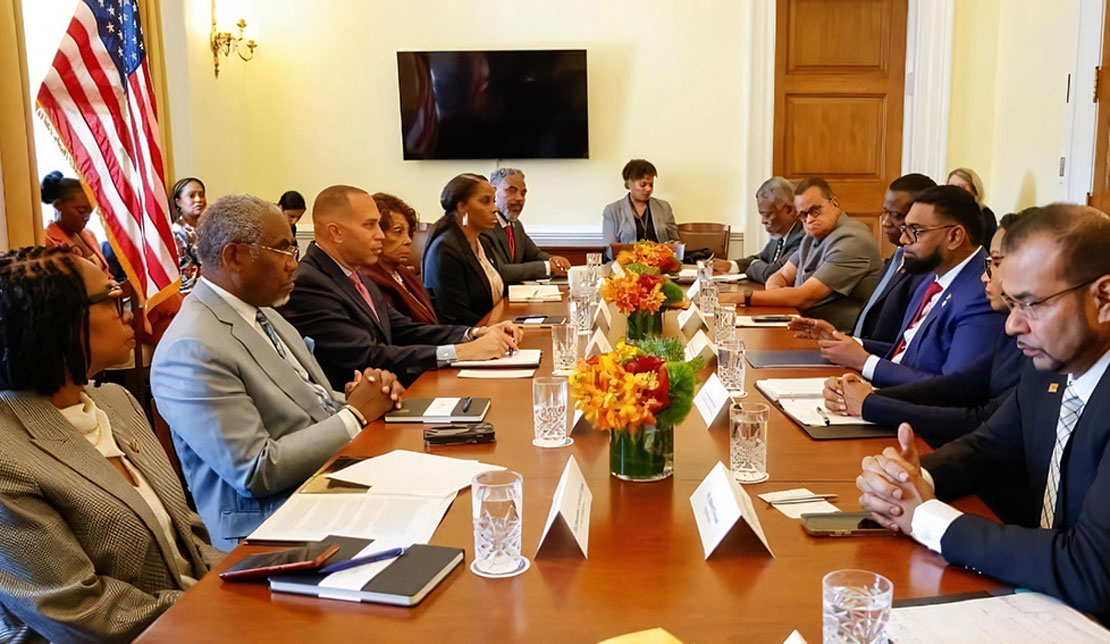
96, 538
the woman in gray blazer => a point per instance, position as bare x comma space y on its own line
637, 216
96, 539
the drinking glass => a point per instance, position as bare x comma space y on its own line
549, 412
855, 607
578, 313
593, 259
705, 270
731, 366
578, 279
707, 298
497, 502
564, 348
747, 441
724, 323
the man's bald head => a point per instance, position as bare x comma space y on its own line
346, 222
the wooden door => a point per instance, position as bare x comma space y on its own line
1100, 190
839, 76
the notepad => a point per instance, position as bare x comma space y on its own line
537, 293
439, 410
522, 359
778, 388
812, 412
1015, 619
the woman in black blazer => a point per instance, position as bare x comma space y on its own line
462, 280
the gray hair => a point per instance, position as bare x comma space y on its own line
777, 189
498, 175
232, 219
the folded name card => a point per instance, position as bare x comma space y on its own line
690, 321
700, 345
718, 503
598, 345
571, 503
711, 400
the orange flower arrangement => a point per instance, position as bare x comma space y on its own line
621, 390
660, 256
634, 292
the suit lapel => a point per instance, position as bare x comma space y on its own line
326, 265
459, 239
954, 289
518, 235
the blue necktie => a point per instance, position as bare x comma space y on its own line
892, 270
322, 394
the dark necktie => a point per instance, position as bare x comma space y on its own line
930, 293
512, 240
322, 394
778, 249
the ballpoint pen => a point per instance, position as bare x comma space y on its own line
824, 414
361, 561
809, 498
466, 404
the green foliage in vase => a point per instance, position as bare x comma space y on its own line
673, 292
666, 349
683, 377
641, 269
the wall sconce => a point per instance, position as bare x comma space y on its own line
225, 43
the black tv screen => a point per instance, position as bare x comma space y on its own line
493, 104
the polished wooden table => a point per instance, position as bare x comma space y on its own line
646, 566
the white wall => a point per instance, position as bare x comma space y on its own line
318, 105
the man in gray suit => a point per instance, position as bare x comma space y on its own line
513, 252
251, 412
775, 202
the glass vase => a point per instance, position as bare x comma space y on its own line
646, 454
642, 324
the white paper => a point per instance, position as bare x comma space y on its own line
538, 293
1015, 619
796, 510
538, 319
718, 502
496, 374
732, 277
688, 273
598, 345
795, 638
441, 407
808, 411
700, 345
781, 388
412, 473
571, 502
522, 358
356, 578
749, 321
312, 517
711, 400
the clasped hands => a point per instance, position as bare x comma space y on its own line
891, 484
373, 392
836, 347
559, 265
492, 341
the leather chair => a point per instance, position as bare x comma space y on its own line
705, 235
419, 243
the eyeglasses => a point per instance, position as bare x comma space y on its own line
992, 263
914, 232
289, 253
813, 211
1030, 309
115, 294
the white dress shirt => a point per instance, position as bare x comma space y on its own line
932, 518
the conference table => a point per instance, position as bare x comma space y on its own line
646, 566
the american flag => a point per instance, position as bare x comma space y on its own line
98, 100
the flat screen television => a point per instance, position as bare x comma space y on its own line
493, 104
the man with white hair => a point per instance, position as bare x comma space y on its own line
251, 412
775, 202
513, 252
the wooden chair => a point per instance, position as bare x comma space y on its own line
705, 235
419, 244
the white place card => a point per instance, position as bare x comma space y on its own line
578, 416
598, 345
601, 317
795, 638
718, 503
571, 503
711, 400
690, 321
617, 269
700, 345
693, 291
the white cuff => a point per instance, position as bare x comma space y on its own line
547, 266
930, 521
446, 354
733, 267
869, 365
350, 422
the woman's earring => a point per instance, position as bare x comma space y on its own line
466, 220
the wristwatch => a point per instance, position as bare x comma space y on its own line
747, 293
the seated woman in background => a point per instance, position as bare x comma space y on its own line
462, 279
292, 206
71, 214
969, 180
637, 216
189, 202
96, 539
400, 284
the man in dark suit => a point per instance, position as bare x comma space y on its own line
351, 324
951, 323
512, 251
775, 202
1054, 432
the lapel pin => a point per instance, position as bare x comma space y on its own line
1054, 387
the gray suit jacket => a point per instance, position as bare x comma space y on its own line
618, 224
82, 557
247, 429
527, 263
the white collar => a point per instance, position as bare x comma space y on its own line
247, 311
346, 271
501, 220
950, 276
1084, 385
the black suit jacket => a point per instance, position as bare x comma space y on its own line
1070, 561
455, 278
527, 263
326, 307
884, 319
944, 408
764, 265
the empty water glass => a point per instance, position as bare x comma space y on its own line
564, 348
855, 607
578, 280
578, 313
731, 366
593, 259
549, 412
497, 503
747, 441
707, 298
724, 323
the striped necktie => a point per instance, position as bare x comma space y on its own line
322, 394
1070, 409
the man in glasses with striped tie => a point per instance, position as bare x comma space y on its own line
1053, 433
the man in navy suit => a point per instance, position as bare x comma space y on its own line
351, 324
951, 323
1054, 433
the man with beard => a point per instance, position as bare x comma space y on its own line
950, 323
513, 252
251, 412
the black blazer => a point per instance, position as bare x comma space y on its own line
884, 319
1070, 561
944, 408
326, 307
526, 263
455, 278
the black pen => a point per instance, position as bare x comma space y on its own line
820, 410
466, 404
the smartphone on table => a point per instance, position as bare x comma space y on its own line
843, 524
